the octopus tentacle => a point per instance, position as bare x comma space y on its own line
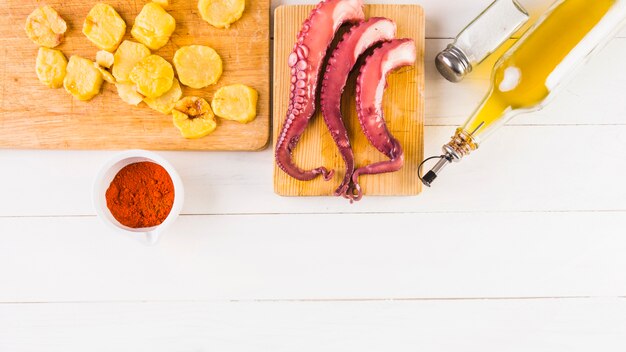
370, 88
342, 61
395, 163
305, 61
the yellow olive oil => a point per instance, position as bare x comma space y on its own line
527, 75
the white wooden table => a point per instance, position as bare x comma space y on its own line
522, 247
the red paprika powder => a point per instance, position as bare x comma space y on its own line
141, 195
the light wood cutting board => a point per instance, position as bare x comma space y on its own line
35, 116
403, 108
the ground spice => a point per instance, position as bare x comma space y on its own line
141, 195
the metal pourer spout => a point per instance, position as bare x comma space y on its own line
461, 144
449, 156
431, 175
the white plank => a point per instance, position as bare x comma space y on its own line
317, 257
522, 168
52, 183
445, 19
472, 326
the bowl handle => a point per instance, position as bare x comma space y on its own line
150, 238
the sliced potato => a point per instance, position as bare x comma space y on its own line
153, 76
51, 67
193, 117
106, 75
104, 27
128, 93
126, 57
197, 66
45, 27
104, 58
221, 13
165, 103
153, 26
83, 80
236, 102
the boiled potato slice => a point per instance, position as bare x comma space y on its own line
45, 27
51, 67
104, 58
104, 27
153, 26
126, 57
165, 103
197, 66
82, 80
221, 13
193, 117
236, 102
153, 76
106, 75
128, 93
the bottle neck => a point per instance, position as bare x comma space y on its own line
461, 144
492, 112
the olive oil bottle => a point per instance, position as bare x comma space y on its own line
527, 75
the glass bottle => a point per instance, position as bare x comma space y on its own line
526, 77
484, 35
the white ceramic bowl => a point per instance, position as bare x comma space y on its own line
149, 235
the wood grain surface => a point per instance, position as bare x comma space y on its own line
403, 108
35, 116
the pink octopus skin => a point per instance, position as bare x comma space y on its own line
343, 59
305, 61
370, 88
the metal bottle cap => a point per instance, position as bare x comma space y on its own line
484, 35
453, 64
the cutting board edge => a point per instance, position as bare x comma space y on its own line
421, 42
251, 138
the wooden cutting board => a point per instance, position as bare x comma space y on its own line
403, 108
35, 116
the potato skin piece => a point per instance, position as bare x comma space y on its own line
45, 27
153, 76
104, 58
104, 27
82, 80
198, 66
51, 67
126, 57
153, 26
166, 102
193, 117
236, 102
106, 75
128, 93
221, 13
